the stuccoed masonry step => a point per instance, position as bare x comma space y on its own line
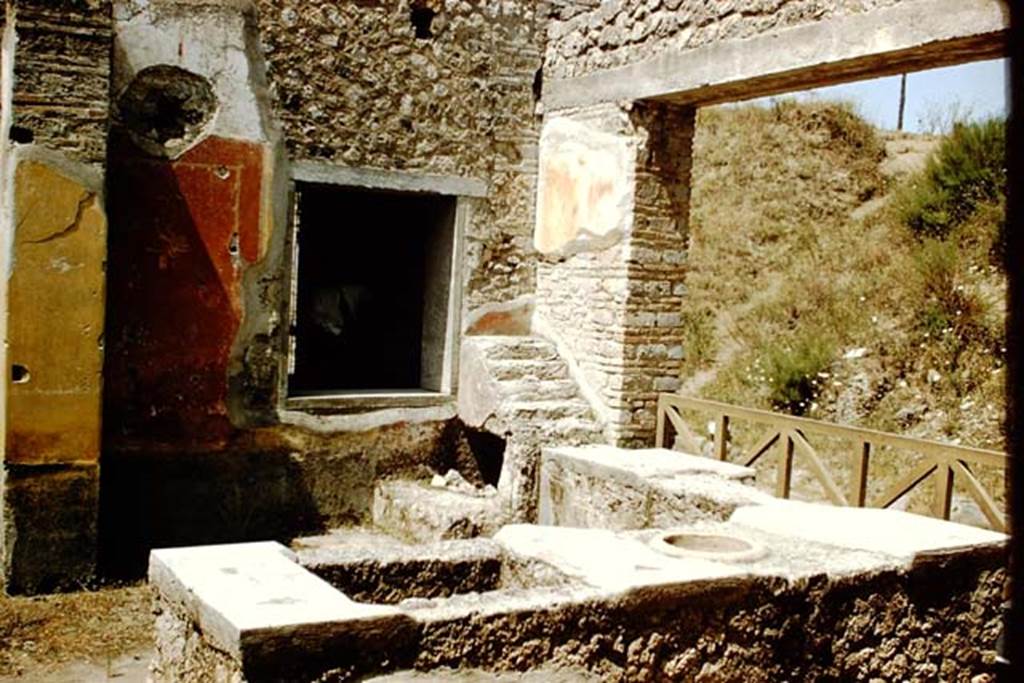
565, 431
513, 348
576, 429
503, 370
532, 390
548, 410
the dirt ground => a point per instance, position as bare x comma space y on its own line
106, 635
86, 637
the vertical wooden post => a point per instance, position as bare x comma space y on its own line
903, 102
943, 490
859, 492
784, 475
722, 437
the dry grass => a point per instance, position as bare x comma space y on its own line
796, 244
39, 634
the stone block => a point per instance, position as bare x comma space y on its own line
615, 488
891, 532
420, 513
272, 619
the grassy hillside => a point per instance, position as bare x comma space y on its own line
829, 278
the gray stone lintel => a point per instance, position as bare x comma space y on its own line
912, 35
378, 179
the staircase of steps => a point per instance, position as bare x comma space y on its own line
521, 390
533, 389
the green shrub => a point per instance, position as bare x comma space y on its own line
698, 336
793, 372
846, 125
969, 168
950, 312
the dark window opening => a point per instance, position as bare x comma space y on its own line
422, 18
372, 298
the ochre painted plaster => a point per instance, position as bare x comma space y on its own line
55, 328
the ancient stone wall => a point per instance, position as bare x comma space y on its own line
617, 32
195, 372
893, 626
358, 84
62, 76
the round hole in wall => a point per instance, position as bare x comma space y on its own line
20, 374
22, 135
165, 109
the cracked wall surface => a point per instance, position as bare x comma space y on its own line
55, 311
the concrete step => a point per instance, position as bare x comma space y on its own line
353, 538
505, 370
522, 348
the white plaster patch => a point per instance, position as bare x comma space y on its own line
585, 191
212, 42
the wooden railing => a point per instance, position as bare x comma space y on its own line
942, 461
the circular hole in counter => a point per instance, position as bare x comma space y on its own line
707, 545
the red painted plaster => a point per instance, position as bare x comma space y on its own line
181, 234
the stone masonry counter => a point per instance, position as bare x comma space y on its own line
613, 604
603, 486
263, 615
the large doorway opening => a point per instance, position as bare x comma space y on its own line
845, 264
371, 291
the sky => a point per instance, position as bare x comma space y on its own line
977, 89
